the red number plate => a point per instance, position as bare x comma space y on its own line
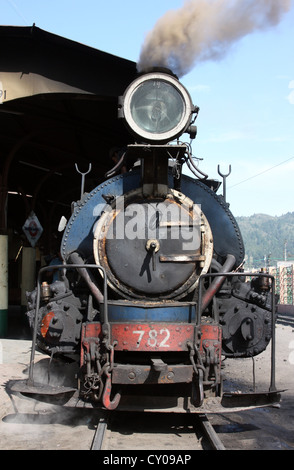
151, 337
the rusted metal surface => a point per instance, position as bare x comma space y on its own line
210, 345
106, 400
136, 374
46, 322
90, 333
151, 336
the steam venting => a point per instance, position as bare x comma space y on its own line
205, 30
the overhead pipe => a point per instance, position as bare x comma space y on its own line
217, 282
75, 258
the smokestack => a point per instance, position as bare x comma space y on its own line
204, 30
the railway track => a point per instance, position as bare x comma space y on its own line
154, 431
210, 432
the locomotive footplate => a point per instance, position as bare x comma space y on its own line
35, 388
228, 403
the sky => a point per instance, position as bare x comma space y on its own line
246, 99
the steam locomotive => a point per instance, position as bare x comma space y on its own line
153, 296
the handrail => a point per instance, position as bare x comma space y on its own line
51, 268
273, 309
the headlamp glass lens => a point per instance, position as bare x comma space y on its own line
157, 106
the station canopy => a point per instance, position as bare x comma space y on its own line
58, 108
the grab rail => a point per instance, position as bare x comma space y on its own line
273, 309
59, 267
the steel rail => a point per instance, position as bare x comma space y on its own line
99, 434
211, 434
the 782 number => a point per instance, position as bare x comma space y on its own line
153, 340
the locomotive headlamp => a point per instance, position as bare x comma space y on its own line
157, 108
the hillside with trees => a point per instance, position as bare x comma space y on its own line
264, 236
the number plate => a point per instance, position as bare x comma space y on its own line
151, 337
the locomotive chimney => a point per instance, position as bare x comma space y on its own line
156, 69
